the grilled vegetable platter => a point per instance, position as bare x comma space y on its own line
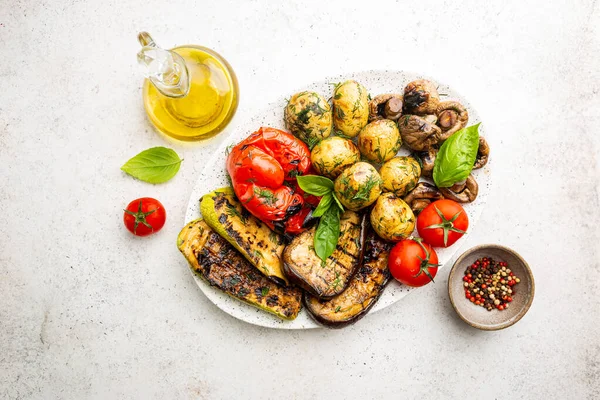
337, 200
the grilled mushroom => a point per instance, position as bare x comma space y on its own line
421, 97
385, 106
452, 116
421, 196
431, 118
482, 153
417, 133
427, 158
464, 192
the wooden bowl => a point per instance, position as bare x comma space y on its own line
478, 317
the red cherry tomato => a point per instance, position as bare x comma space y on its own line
413, 263
144, 216
442, 223
263, 169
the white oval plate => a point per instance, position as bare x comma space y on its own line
214, 176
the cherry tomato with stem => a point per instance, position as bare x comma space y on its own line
144, 216
442, 223
413, 263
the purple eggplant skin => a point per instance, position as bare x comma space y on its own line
362, 292
325, 280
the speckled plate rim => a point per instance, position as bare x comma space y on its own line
376, 81
521, 313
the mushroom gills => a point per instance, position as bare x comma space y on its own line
386, 106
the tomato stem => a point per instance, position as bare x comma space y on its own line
425, 264
140, 217
447, 225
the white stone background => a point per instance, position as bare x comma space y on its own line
89, 311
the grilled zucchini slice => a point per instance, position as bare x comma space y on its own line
219, 264
363, 291
249, 235
326, 279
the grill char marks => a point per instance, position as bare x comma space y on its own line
218, 263
363, 290
326, 279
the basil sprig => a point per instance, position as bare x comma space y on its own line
456, 157
155, 165
329, 209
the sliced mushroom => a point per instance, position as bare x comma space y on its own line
464, 192
417, 133
421, 196
385, 106
421, 97
452, 116
427, 158
483, 153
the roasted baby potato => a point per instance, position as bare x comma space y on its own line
358, 186
392, 218
350, 108
400, 175
332, 155
308, 116
379, 141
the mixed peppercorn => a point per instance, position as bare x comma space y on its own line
490, 284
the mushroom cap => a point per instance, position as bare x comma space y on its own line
421, 196
483, 153
421, 97
464, 192
418, 133
427, 158
452, 116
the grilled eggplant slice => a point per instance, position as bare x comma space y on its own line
218, 263
326, 279
363, 291
249, 235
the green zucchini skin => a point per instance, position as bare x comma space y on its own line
362, 292
250, 236
218, 263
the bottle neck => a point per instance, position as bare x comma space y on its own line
164, 68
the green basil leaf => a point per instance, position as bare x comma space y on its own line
155, 165
315, 185
324, 205
328, 233
339, 203
456, 157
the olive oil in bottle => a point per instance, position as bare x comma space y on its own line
190, 92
